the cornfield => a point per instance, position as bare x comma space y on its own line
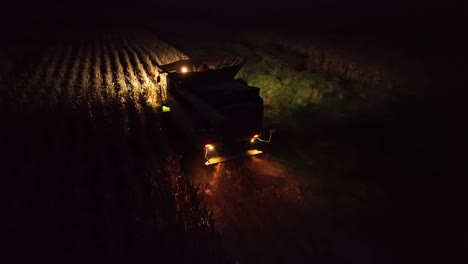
109, 68
86, 156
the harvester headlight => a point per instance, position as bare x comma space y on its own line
255, 137
184, 69
209, 147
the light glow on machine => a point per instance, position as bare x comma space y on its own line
209, 147
255, 137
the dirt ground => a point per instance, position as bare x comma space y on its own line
265, 215
369, 191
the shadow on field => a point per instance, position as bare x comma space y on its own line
106, 189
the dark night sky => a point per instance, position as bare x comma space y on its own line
324, 12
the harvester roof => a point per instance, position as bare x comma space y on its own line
215, 82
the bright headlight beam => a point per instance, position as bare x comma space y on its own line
184, 69
209, 146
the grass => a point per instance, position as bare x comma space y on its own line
287, 92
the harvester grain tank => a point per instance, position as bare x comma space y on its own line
218, 114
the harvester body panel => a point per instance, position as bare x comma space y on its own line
218, 114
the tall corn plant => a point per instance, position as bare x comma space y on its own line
108, 80
119, 73
62, 71
72, 85
96, 72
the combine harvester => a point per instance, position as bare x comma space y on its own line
219, 115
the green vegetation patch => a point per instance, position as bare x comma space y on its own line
287, 91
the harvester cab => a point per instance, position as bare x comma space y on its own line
219, 115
